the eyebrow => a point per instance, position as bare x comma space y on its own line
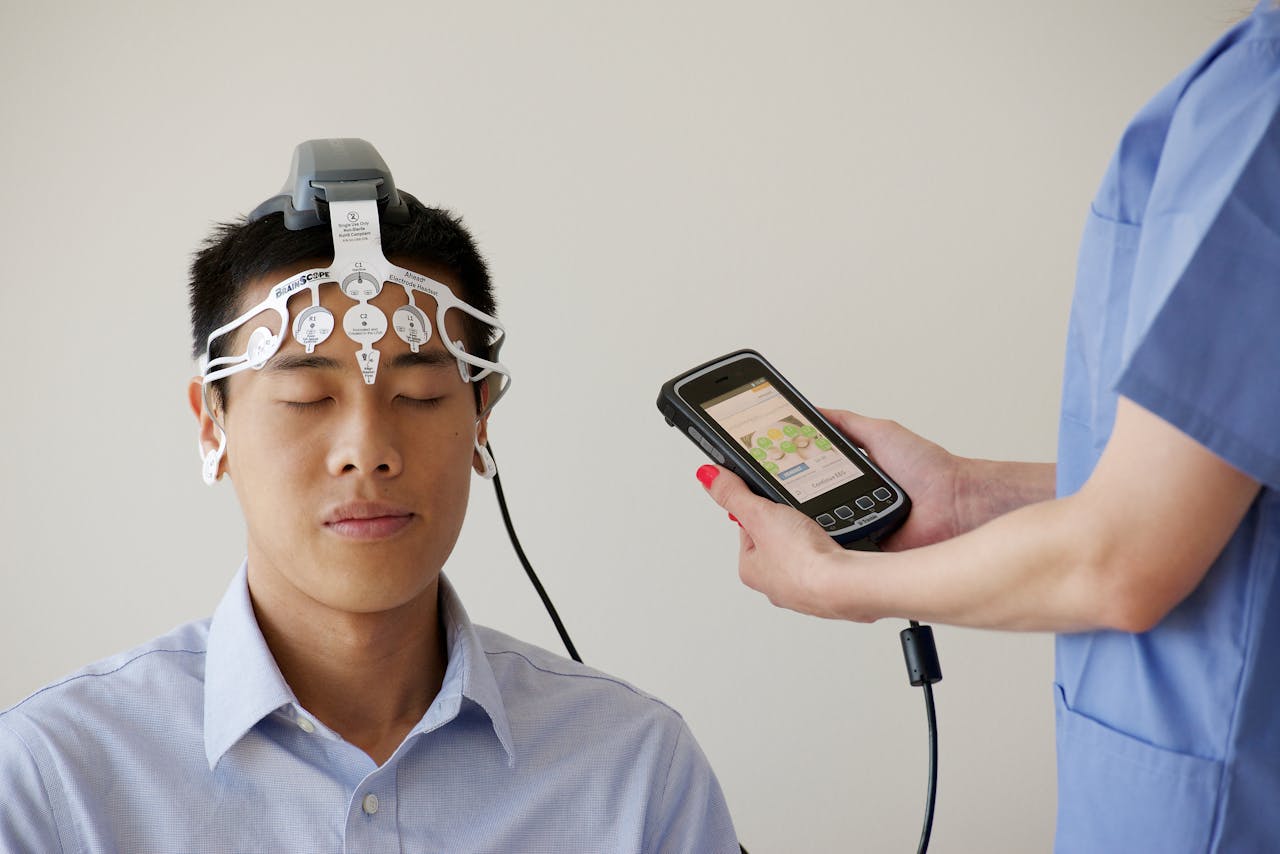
425, 359
286, 362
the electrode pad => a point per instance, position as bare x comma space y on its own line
351, 179
412, 325
313, 326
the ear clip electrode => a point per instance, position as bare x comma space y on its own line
488, 468
346, 183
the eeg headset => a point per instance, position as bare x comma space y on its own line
347, 183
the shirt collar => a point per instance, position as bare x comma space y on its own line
468, 674
243, 684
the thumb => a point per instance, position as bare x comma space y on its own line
857, 428
729, 491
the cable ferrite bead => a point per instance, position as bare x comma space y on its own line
921, 655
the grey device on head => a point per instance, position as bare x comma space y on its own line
333, 170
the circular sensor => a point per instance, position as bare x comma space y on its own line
313, 326
364, 322
411, 325
262, 346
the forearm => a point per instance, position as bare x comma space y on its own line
1034, 569
986, 489
1119, 553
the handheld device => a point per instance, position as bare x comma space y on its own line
750, 419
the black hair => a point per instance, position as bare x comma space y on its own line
237, 252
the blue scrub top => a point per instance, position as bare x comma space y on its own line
1169, 741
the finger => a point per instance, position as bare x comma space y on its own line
728, 490
854, 426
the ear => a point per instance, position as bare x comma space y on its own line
207, 432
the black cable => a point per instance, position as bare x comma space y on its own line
524, 561
931, 795
923, 669
917, 645
533, 576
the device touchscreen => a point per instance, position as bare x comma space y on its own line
782, 441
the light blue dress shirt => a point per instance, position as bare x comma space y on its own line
195, 743
1169, 741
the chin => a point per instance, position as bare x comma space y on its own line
372, 582
373, 598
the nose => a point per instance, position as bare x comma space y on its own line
364, 442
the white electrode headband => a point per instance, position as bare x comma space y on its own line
350, 178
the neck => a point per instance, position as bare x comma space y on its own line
369, 677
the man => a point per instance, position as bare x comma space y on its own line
340, 699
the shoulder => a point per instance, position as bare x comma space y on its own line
1237, 83
1245, 56
531, 674
557, 707
1201, 127
1228, 106
147, 676
67, 746
625, 740
1217, 173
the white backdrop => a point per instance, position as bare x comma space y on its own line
885, 198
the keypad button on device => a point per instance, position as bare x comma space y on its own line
883, 494
844, 512
826, 520
865, 503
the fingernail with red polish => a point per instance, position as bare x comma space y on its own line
735, 519
706, 474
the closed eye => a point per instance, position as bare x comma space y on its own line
304, 405
425, 402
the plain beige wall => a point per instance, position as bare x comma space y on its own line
885, 198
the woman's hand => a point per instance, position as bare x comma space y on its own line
783, 553
930, 475
792, 560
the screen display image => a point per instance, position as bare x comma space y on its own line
773, 431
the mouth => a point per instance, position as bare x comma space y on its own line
368, 520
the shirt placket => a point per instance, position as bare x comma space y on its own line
371, 814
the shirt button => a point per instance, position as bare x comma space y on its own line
306, 725
370, 804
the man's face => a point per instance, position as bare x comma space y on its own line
353, 494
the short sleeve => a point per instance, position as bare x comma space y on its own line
1202, 342
691, 814
27, 824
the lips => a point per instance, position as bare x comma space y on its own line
367, 520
